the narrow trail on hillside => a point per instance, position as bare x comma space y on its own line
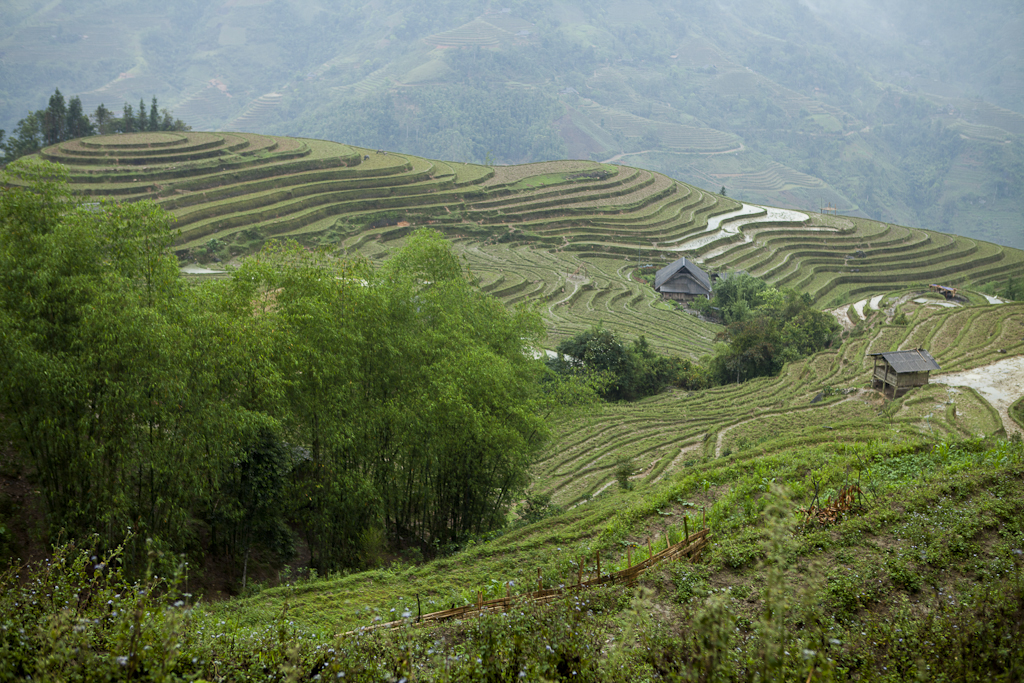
551, 306
623, 155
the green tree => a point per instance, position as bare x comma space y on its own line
55, 119
154, 116
410, 401
77, 124
124, 390
104, 119
412, 393
623, 371
26, 138
142, 120
766, 328
127, 119
468, 423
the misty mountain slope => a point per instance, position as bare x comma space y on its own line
886, 111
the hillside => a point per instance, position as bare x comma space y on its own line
568, 237
920, 564
565, 234
883, 110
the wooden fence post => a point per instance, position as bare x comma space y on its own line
686, 531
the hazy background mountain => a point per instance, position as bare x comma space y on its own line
900, 111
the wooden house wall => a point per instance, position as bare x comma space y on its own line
887, 379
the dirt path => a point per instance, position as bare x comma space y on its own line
1000, 383
684, 451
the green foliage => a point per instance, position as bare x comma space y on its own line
76, 618
1011, 289
766, 328
557, 642
624, 469
627, 372
306, 388
60, 122
96, 337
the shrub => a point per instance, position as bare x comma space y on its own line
624, 468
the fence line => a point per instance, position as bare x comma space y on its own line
692, 547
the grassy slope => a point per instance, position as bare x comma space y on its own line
569, 246
938, 529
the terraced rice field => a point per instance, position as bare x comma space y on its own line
680, 138
567, 237
241, 188
258, 113
672, 431
988, 114
204, 107
479, 33
773, 178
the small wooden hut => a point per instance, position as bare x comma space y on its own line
682, 280
897, 372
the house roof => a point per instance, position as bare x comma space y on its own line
913, 360
683, 264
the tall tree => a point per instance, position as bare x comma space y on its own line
117, 382
411, 390
26, 138
127, 118
103, 118
78, 124
154, 115
55, 120
142, 122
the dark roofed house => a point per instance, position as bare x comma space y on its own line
897, 372
682, 280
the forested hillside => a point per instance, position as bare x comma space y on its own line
887, 110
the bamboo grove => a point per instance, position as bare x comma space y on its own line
307, 398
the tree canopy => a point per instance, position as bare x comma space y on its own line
360, 408
60, 122
623, 371
765, 328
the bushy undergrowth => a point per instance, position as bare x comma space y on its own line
926, 584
